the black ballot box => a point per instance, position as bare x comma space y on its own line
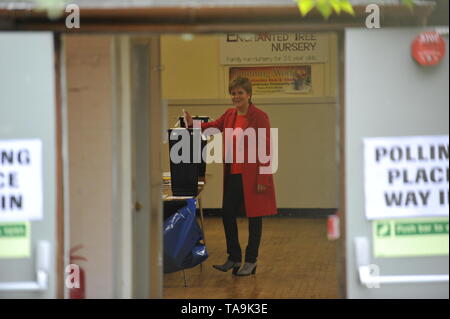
185, 160
203, 118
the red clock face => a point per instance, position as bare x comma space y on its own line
428, 48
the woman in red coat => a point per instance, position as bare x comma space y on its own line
248, 183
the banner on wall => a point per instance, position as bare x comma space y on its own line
276, 79
21, 192
406, 176
273, 48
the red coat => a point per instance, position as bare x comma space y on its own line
256, 204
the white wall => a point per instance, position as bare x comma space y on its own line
89, 95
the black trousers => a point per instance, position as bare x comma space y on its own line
233, 199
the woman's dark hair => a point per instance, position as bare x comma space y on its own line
243, 83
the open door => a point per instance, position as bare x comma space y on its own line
389, 95
28, 176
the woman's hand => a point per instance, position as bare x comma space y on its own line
187, 118
261, 188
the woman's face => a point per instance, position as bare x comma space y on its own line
240, 97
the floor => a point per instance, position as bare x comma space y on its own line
296, 260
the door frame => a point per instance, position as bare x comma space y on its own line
106, 20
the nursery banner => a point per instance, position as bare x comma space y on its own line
273, 48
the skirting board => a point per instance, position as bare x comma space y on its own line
284, 212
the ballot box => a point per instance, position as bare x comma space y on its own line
203, 118
185, 160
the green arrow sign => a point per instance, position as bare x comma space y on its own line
15, 240
410, 237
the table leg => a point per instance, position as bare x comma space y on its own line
184, 275
200, 207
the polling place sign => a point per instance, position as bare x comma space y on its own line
21, 193
406, 176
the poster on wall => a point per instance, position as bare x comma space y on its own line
276, 79
21, 192
406, 176
273, 48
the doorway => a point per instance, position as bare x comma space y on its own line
136, 89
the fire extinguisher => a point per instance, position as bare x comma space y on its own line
78, 293
333, 228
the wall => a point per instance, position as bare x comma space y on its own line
90, 157
193, 79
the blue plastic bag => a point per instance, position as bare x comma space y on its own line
183, 246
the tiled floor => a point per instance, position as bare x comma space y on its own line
295, 261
